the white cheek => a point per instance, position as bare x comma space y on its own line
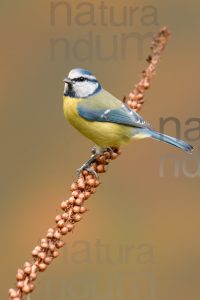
86, 89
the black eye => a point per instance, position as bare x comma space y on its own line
79, 79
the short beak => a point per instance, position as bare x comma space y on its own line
67, 80
67, 86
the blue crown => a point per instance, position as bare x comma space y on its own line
81, 71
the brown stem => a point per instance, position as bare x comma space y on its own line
135, 98
81, 189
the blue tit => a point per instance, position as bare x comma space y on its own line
104, 119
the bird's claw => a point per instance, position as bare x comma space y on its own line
101, 150
109, 149
96, 154
89, 170
87, 167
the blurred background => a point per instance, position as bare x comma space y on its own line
140, 237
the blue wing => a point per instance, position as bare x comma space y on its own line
106, 108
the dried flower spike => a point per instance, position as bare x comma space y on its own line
82, 189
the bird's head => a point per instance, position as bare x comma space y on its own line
81, 83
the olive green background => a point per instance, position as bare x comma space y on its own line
147, 225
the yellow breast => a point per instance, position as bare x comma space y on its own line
69, 107
103, 134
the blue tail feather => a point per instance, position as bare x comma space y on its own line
171, 140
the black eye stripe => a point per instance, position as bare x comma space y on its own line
79, 79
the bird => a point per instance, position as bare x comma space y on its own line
103, 118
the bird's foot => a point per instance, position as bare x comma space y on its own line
109, 149
101, 150
96, 152
89, 170
86, 166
